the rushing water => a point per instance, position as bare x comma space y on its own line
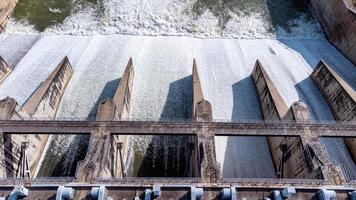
199, 18
45, 13
151, 155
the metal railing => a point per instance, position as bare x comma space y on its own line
93, 119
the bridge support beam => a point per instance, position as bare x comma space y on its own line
205, 151
5, 70
7, 8
285, 151
340, 96
107, 152
44, 102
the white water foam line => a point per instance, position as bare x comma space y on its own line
179, 18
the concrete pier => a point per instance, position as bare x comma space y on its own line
103, 158
288, 153
340, 96
7, 7
44, 102
5, 70
318, 164
205, 148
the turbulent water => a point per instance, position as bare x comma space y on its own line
198, 18
99, 36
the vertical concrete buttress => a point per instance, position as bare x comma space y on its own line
317, 163
5, 70
122, 97
44, 102
7, 7
287, 153
103, 158
204, 155
340, 96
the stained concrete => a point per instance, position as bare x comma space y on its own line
44, 102
5, 70
288, 154
7, 7
205, 159
340, 96
102, 159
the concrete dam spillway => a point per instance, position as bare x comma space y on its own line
142, 103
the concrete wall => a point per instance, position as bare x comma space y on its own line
5, 70
122, 97
203, 158
273, 105
11, 143
340, 96
338, 20
197, 90
6, 9
45, 100
287, 153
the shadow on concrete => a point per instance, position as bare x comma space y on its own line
9, 157
179, 100
78, 147
108, 92
246, 105
338, 151
319, 110
312, 51
246, 156
309, 93
167, 156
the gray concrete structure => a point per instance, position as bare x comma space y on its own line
7, 7
43, 102
340, 96
291, 155
205, 145
103, 158
5, 70
287, 152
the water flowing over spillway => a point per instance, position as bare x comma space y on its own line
162, 86
199, 18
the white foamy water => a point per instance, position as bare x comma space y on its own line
163, 66
197, 18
